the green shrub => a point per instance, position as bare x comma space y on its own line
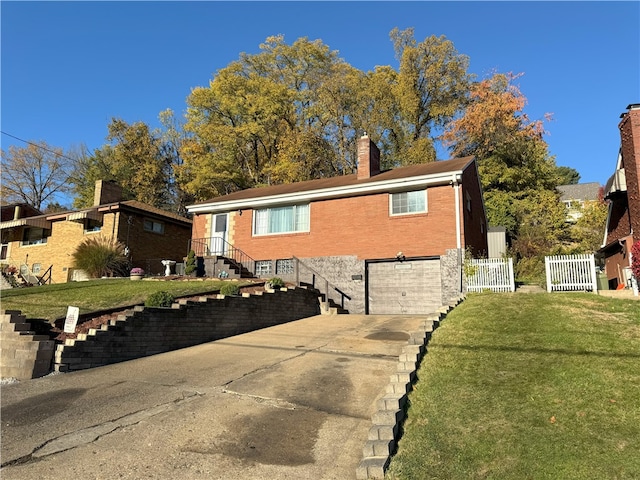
159, 299
190, 264
275, 282
101, 256
229, 289
531, 271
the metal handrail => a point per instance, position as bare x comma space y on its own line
46, 276
326, 282
202, 248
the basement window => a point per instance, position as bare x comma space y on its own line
408, 202
263, 268
284, 266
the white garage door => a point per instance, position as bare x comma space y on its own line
409, 287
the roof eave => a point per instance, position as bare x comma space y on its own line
330, 193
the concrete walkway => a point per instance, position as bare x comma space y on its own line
288, 402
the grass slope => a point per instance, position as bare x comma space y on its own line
51, 301
538, 386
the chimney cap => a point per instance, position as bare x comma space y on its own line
633, 106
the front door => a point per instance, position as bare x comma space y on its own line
219, 234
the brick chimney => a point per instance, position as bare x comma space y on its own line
106, 191
368, 158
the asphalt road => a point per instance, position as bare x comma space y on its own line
289, 402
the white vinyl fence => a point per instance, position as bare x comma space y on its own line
495, 274
570, 273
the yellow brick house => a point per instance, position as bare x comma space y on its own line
43, 244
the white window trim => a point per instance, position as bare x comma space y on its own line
422, 212
253, 221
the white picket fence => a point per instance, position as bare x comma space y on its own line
571, 273
495, 274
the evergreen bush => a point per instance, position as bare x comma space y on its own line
190, 265
159, 299
229, 289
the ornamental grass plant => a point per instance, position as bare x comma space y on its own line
101, 256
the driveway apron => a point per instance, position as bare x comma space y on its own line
293, 401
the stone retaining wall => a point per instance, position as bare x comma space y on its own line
24, 354
147, 331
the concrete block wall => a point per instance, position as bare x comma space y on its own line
451, 274
24, 354
387, 421
147, 331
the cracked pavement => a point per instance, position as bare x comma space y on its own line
291, 401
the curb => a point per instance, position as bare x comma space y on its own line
385, 431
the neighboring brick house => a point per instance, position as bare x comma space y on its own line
47, 241
388, 242
623, 191
13, 211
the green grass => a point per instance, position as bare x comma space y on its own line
51, 301
527, 386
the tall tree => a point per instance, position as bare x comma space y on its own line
139, 162
173, 137
431, 88
295, 112
567, 176
89, 168
35, 174
271, 117
513, 158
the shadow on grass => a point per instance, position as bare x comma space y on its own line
558, 351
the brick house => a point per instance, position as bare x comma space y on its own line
44, 243
623, 192
13, 211
382, 241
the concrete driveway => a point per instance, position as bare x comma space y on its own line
293, 401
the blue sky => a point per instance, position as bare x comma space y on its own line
67, 68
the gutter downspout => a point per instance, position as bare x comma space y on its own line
456, 191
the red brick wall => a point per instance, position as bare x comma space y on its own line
199, 227
144, 245
619, 225
630, 145
475, 222
359, 226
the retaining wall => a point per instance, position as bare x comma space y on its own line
24, 354
147, 331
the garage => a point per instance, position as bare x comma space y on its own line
410, 286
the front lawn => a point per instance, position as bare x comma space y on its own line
527, 386
51, 301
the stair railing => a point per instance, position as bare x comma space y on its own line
316, 280
216, 246
46, 276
